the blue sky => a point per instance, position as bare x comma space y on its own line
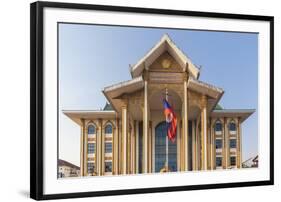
92, 57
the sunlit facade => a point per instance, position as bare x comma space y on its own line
129, 135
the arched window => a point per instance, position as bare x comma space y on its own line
218, 126
160, 149
108, 129
232, 126
91, 129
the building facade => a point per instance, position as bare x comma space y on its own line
66, 169
128, 135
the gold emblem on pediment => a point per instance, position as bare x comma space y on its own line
166, 63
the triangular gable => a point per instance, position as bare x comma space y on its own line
165, 44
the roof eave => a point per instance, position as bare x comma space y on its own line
242, 113
205, 88
78, 115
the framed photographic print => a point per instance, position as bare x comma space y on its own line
131, 100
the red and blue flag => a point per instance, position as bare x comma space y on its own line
171, 120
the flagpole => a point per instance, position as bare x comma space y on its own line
167, 141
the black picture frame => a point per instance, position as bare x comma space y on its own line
36, 98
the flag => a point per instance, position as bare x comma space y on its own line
171, 120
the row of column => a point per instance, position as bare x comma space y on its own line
124, 154
125, 141
147, 144
99, 154
126, 159
226, 153
209, 158
199, 137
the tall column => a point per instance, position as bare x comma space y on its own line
226, 142
194, 145
115, 147
145, 129
97, 156
99, 148
223, 144
82, 156
182, 143
197, 145
209, 146
113, 150
185, 128
124, 139
178, 146
204, 133
239, 145
102, 153
120, 156
137, 146
85, 163
212, 144
133, 143
129, 135
150, 148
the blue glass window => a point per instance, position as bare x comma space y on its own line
108, 147
232, 126
108, 129
91, 129
232, 143
218, 126
91, 148
160, 149
218, 143
91, 168
218, 161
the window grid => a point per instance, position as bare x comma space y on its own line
91, 168
108, 147
91, 148
160, 149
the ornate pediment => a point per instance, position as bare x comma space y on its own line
165, 63
169, 55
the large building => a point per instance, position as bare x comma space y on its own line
66, 169
129, 135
